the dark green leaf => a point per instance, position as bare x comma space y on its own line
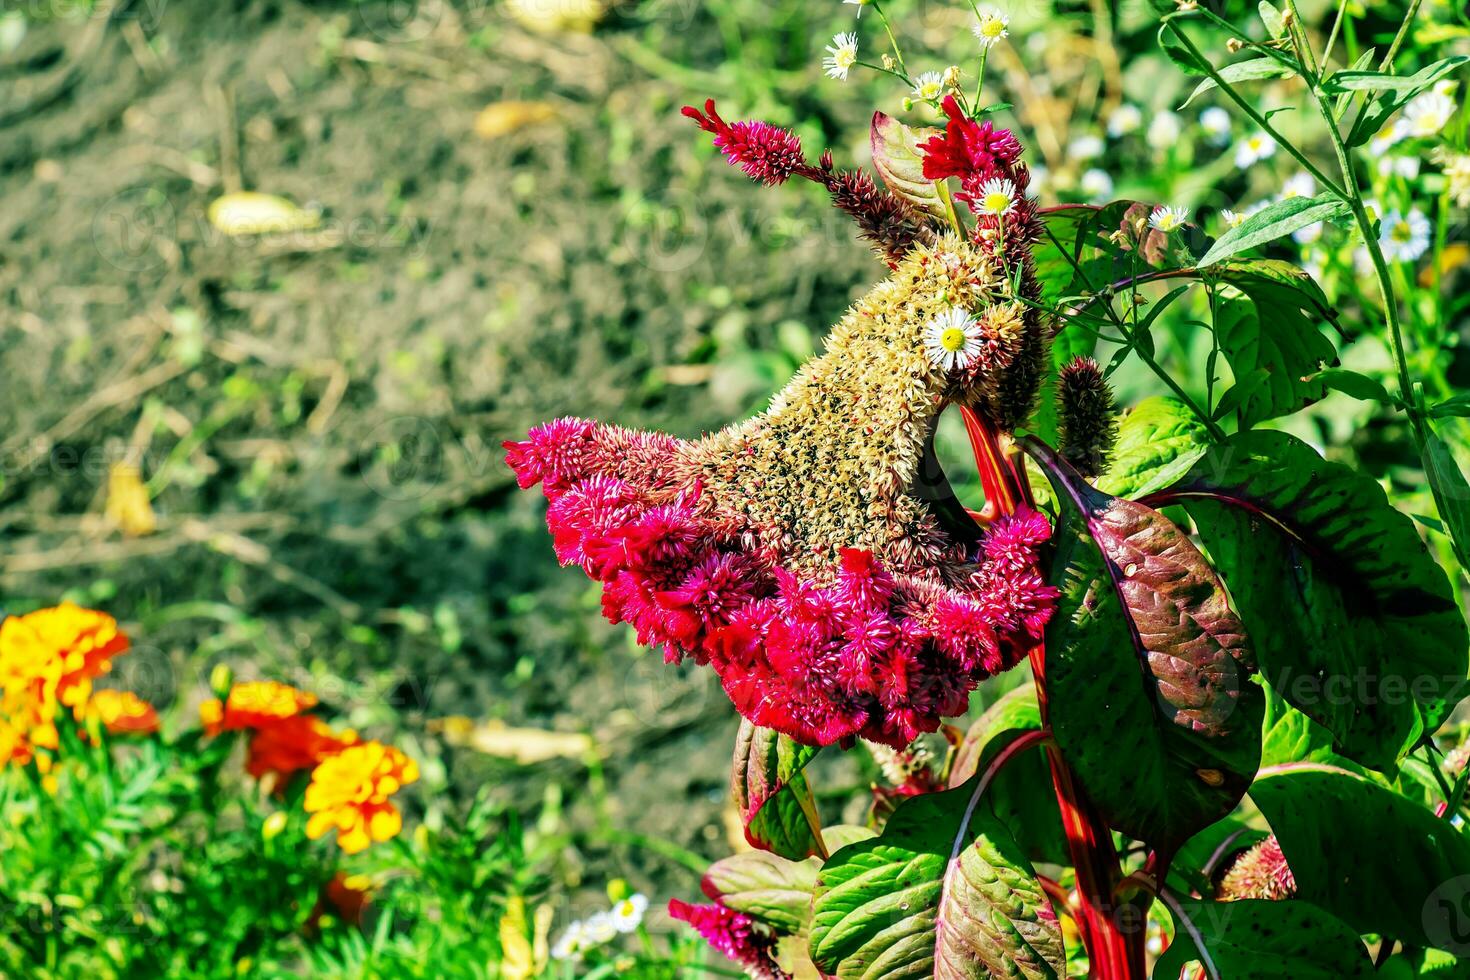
1377, 81
1377, 861
1272, 222
1242, 71
1178, 53
944, 892
1377, 112
1456, 407
1268, 321
771, 793
897, 159
1148, 669
1451, 494
1352, 620
1356, 385
1158, 441
1260, 940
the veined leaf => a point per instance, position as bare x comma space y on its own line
1356, 385
1260, 940
1148, 669
944, 892
770, 888
898, 161
1272, 222
1241, 71
1158, 441
772, 795
1085, 247
1352, 620
1270, 322
1374, 859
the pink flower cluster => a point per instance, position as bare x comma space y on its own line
734, 934
820, 655
977, 152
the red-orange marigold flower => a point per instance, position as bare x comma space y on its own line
350, 792
293, 744
120, 713
254, 704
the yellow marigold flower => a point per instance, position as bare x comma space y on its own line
350, 792
254, 704
120, 713
52, 654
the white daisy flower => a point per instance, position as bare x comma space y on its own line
1428, 114
991, 28
859, 4
1086, 147
1097, 185
1299, 185
1404, 238
841, 56
1124, 120
930, 86
997, 196
1233, 219
952, 339
1253, 149
571, 944
627, 915
1163, 130
1215, 121
1167, 219
1405, 167
600, 929
1393, 133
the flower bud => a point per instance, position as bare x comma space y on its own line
1085, 416
220, 680
274, 824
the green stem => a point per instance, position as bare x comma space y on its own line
892, 38
1336, 29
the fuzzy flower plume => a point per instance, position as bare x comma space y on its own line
790, 552
771, 155
1261, 872
1086, 416
736, 935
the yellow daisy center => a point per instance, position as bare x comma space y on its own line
991, 28
952, 340
1402, 232
995, 201
844, 58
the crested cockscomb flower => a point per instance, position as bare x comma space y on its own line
967, 147
735, 934
765, 153
1087, 426
791, 552
1261, 872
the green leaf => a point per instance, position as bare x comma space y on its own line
1020, 795
767, 887
1158, 441
1271, 17
1085, 247
1351, 619
1377, 81
772, 795
1377, 861
1377, 112
1356, 385
1261, 940
1272, 222
898, 161
1451, 494
1241, 71
1269, 321
1456, 407
1180, 54
1148, 670
944, 892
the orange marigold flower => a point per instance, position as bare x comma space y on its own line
120, 713
350, 792
51, 655
254, 704
293, 744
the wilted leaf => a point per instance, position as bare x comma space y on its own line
898, 161
252, 213
525, 746
502, 118
128, 506
1147, 669
558, 16
1351, 619
943, 893
772, 795
1261, 940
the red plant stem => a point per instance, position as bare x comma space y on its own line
1114, 951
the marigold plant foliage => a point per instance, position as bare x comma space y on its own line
815, 558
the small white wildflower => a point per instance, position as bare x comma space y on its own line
1457, 172
1163, 130
1215, 121
952, 339
841, 56
1253, 149
1233, 219
1398, 166
1097, 185
1124, 120
571, 944
991, 28
1393, 133
1167, 219
627, 915
997, 196
930, 86
1085, 147
1404, 238
1298, 185
1309, 234
600, 929
859, 4
1426, 115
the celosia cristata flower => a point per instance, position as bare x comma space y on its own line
119, 713
734, 934
795, 553
254, 704
351, 793
292, 744
48, 659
